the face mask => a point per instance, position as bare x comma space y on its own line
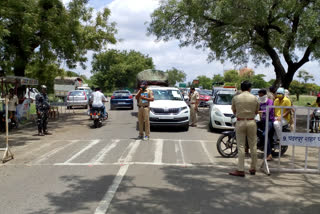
279, 96
263, 99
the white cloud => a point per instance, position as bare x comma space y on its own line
131, 16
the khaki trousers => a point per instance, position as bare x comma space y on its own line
143, 117
246, 129
193, 114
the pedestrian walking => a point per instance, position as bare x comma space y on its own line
245, 106
194, 102
43, 107
144, 97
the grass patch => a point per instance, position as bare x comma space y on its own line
303, 100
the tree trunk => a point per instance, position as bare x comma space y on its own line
286, 81
20, 65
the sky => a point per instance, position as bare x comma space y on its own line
131, 17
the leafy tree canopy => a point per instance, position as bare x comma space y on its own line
237, 29
48, 31
118, 69
176, 76
205, 82
231, 76
305, 76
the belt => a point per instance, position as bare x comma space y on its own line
245, 118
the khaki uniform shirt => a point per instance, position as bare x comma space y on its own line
245, 105
194, 97
147, 93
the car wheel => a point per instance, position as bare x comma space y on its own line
86, 106
111, 107
186, 128
131, 107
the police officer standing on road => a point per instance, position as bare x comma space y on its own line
144, 97
194, 102
245, 106
43, 107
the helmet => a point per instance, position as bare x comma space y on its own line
43, 87
318, 94
280, 91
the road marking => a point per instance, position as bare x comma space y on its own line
182, 155
51, 153
101, 155
158, 151
94, 142
105, 202
207, 152
177, 150
37, 149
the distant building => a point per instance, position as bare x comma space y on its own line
246, 72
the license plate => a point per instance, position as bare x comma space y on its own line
95, 116
121, 103
167, 117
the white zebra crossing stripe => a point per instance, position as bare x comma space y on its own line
94, 142
182, 154
206, 152
51, 153
105, 202
158, 151
101, 155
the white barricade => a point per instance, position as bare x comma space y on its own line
294, 139
7, 152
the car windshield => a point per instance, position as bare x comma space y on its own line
223, 99
77, 93
121, 92
254, 92
167, 94
206, 92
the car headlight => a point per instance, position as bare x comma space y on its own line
218, 113
183, 108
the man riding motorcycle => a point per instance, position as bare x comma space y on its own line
98, 99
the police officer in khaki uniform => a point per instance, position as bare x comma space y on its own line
245, 106
194, 102
144, 97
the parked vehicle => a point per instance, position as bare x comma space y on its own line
315, 121
205, 97
121, 99
77, 98
227, 142
217, 89
168, 108
220, 111
254, 91
97, 116
63, 85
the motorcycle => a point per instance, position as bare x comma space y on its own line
227, 142
97, 115
12, 123
315, 121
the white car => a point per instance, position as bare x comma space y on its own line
220, 110
168, 108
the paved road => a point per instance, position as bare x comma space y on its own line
84, 170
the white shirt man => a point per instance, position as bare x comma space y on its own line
97, 99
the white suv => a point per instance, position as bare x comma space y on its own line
169, 108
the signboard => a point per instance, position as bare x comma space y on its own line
182, 85
300, 139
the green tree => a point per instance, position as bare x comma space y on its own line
231, 76
118, 69
176, 76
258, 81
297, 88
205, 82
217, 79
305, 76
238, 29
50, 32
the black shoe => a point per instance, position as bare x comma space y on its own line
40, 134
47, 133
